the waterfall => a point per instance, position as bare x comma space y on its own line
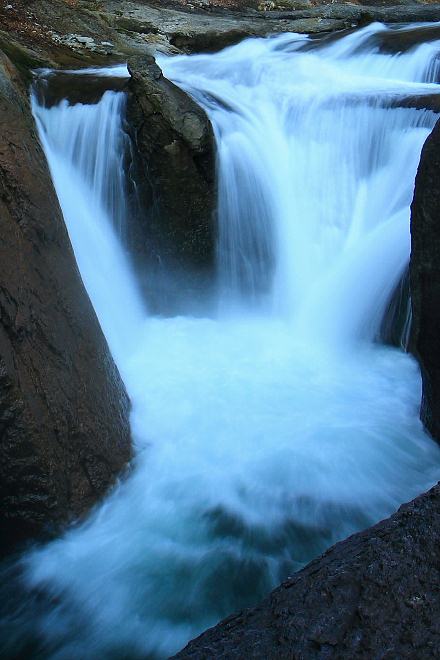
268, 432
316, 172
84, 146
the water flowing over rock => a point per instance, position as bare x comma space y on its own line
277, 425
270, 156
63, 408
425, 278
60, 33
378, 590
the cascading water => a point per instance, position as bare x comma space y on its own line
84, 145
278, 427
316, 172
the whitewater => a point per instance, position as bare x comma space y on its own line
278, 423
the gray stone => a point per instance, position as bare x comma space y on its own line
87, 41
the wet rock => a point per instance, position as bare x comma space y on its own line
284, 4
175, 176
375, 595
64, 432
420, 101
425, 278
403, 40
55, 86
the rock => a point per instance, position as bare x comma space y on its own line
403, 40
47, 28
374, 595
267, 5
87, 41
64, 433
175, 177
75, 88
396, 323
284, 4
425, 279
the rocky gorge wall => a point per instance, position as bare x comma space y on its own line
76, 32
64, 433
425, 279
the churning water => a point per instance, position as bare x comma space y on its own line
272, 429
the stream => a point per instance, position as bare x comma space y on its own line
279, 422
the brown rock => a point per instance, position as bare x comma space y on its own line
64, 431
175, 176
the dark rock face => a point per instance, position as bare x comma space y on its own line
64, 431
375, 595
175, 175
425, 278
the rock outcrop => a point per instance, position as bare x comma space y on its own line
425, 279
207, 27
75, 32
175, 176
64, 431
374, 595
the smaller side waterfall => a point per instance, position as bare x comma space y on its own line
84, 145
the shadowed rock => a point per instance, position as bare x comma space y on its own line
64, 431
425, 278
75, 88
175, 175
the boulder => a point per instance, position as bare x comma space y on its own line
376, 594
425, 279
175, 181
64, 433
